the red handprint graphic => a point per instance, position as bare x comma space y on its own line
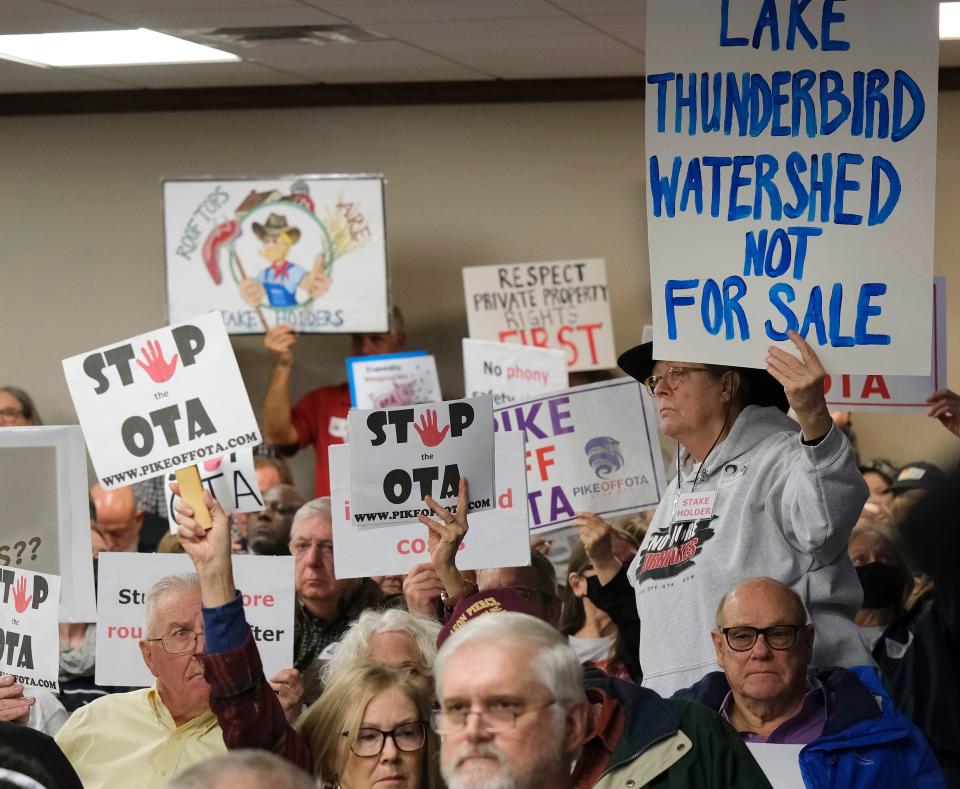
155, 365
427, 429
21, 600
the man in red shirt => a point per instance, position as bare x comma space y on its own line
320, 416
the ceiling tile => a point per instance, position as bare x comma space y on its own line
30, 8
208, 18
206, 75
65, 22
590, 40
629, 28
18, 78
438, 10
602, 7
480, 28
129, 6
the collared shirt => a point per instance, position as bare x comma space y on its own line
131, 740
605, 733
803, 728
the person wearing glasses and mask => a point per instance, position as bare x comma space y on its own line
755, 493
143, 738
850, 731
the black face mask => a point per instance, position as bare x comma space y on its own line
883, 584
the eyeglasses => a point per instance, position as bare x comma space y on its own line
742, 639
10, 414
300, 548
407, 737
495, 717
673, 376
178, 641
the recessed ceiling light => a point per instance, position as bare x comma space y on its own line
949, 20
107, 48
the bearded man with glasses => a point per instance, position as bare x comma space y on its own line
849, 729
145, 737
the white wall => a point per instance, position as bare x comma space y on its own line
81, 261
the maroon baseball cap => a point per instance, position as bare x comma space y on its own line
491, 601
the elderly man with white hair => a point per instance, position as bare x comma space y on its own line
325, 605
514, 712
145, 737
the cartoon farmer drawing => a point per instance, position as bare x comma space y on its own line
279, 282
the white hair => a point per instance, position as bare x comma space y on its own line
554, 662
315, 508
354, 646
220, 772
163, 587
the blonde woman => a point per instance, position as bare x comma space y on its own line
369, 727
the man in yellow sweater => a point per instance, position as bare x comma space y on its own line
143, 738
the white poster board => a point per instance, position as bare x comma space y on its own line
28, 628
496, 538
593, 448
509, 372
163, 400
124, 579
231, 479
400, 455
393, 379
903, 393
308, 251
791, 168
45, 512
560, 304
780, 763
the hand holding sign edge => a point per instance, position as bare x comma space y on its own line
14, 706
802, 381
445, 537
208, 549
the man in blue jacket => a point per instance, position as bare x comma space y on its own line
849, 729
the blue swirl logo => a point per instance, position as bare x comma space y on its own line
603, 455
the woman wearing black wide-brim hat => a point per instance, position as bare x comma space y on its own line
756, 494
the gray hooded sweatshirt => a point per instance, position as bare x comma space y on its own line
783, 510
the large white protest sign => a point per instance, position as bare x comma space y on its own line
266, 583
562, 304
164, 400
496, 538
393, 379
903, 393
791, 166
509, 372
231, 479
593, 448
29, 638
305, 251
400, 455
44, 511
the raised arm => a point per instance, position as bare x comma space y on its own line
278, 428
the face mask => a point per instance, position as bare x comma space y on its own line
883, 584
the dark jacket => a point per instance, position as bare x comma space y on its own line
673, 744
865, 743
618, 601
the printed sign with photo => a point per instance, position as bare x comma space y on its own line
28, 626
393, 379
400, 455
496, 538
265, 582
305, 251
509, 372
45, 513
562, 304
903, 393
790, 180
593, 448
160, 401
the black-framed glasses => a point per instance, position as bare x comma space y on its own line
494, 717
407, 737
673, 376
178, 641
742, 639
